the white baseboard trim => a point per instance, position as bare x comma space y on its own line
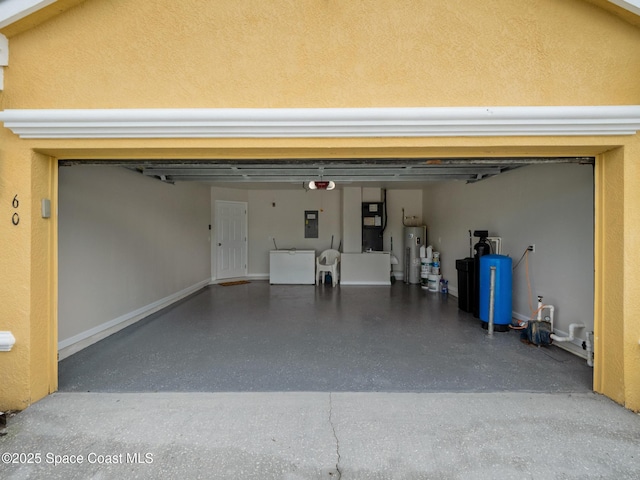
69, 346
258, 276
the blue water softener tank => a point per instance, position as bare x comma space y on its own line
502, 297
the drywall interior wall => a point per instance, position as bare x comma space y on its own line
340, 216
550, 206
126, 242
279, 215
411, 202
351, 218
228, 194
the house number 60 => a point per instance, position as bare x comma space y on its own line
15, 219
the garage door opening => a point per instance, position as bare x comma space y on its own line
144, 239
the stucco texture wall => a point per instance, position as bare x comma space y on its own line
325, 53
631, 281
305, 53
27, 286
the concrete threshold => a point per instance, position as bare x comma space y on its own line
323, 435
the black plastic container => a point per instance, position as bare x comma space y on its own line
466, 283
480, 249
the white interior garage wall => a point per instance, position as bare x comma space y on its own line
279, 215
411, 202
128, 246
284, 222
551, 206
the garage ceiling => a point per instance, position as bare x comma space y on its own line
293, 173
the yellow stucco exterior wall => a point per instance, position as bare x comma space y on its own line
324, 53
609, 301
316, 53
631, 278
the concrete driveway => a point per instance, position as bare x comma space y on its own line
317, 435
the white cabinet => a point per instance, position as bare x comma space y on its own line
365, 268
292, 267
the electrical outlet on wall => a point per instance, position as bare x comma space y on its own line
532, 248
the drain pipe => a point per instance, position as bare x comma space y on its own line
572, 331
492, 294
588, 344
542, 307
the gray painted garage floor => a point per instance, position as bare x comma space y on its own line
258, 337
260, 382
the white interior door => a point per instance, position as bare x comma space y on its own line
231, 239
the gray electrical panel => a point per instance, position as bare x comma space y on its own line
311, 224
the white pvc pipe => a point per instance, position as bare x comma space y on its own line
572, 331
542, 307
551, 309
492, 295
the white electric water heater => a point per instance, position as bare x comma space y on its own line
414, 238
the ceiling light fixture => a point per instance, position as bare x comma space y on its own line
322, 185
